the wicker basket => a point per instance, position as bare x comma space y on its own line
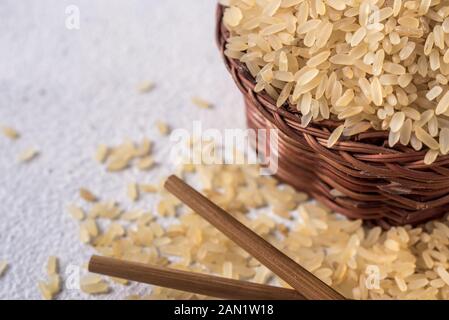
387, 186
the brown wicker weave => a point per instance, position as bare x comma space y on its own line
378, 184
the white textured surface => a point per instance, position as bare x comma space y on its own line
66, 91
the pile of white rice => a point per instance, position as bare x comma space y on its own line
379, 64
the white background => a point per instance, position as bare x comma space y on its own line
67, 91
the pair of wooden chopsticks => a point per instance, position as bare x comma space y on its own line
307, 286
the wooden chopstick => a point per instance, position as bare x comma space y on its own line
208, 285
299, 278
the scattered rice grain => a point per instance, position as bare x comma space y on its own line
146, 87
28, 155
10, 133
87, 195
201, 103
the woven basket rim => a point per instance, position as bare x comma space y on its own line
321, 130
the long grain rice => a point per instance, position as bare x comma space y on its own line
163, 128
49, 289
444, 141
87, 195
333, 138
201, 103
133, 192
426, 138
443, 104
145, 163
430, 156
28, 155
146, 87
9, 132
121, 157
3, 267
444, 275
102, 153
395, 54
52, 265
45, 290
76, 212
232, 16
397, 121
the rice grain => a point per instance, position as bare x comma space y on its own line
232, 16
76, 212
87, 195
52, 266
163, 128
102, 153
3, 267
443, 104
397, 121
28, 155
10, 133
146, 87
394, 57
201, 103
133, 192
443, 274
